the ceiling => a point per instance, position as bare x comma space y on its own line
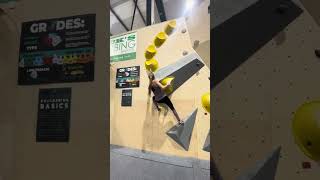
124, 9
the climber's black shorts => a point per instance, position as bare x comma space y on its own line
166, 101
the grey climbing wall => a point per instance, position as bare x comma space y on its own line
255, 103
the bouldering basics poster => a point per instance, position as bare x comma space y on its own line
54, 115
57, 50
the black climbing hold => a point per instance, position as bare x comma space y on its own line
317, 52
309, 143
282, 9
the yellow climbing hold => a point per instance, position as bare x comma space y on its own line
160, 39
205, 100
306, 129
170, 27
151, 65
165, 81
150, 52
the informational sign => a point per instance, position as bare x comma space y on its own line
128, 77
57, 50
126, 97
7, 4
54, 115
123, 47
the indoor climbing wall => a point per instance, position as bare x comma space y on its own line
141, 126
255, 104
294, 76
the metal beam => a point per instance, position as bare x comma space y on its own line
161, 10
141, 15
119, 19
149, 11
134, 13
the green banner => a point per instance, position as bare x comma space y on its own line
6, 1
123, 57
123, 48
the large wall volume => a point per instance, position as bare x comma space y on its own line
85, 156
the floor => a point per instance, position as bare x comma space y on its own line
139, 165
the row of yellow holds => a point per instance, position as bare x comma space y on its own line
152, 64
161, 37
151, 51
306, 129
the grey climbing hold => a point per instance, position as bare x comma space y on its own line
184, 53
181, 134
196, 44
264, 170
206, 146
181, 70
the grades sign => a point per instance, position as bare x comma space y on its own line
57, 50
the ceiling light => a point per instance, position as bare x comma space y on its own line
189, 4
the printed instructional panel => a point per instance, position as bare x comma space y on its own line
57, 50
128, 77
53, 123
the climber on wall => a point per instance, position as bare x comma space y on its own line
160, 96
